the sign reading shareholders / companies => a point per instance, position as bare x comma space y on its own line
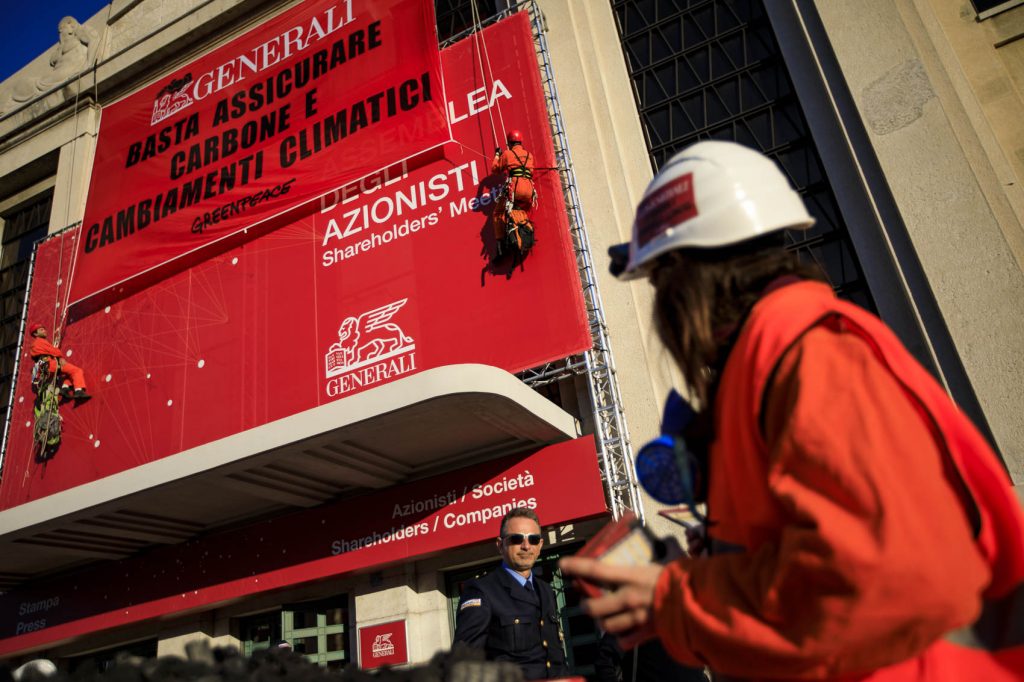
324, 94
455, 509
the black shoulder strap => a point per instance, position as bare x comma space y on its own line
522, 162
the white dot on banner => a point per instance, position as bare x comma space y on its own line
234, 261
21, 398
68, 352
149, 376
59, 281
108, 378
107, 309
96, 444
200, 364
169, 403
28, 423
90, 436
58, 304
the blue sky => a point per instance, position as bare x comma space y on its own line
29, 28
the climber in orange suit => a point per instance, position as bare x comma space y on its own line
512, 226
42, 348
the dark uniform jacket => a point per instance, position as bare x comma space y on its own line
513, 623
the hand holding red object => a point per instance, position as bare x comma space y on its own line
626, 610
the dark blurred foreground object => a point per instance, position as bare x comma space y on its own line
461, 664
649, 662
34, 671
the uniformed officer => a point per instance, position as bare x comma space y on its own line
510, 612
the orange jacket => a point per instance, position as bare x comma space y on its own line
513, 158
518, 164
857, 516
41, 346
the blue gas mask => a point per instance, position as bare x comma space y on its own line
670, 470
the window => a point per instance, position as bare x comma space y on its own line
712, 70
21, 228
257, 632
988, 8
318, 630
456, 16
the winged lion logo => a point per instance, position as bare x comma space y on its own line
171, 99
382, 645
367, 338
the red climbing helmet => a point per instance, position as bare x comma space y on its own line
514, 137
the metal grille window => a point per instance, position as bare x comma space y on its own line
711, 70
456, 16
21, 229
989, 8
317, 630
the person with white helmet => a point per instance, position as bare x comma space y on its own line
859, 526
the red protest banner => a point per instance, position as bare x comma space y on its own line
319, 96
296, 318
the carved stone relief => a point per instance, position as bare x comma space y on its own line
74, 53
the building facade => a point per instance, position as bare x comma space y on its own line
895, 120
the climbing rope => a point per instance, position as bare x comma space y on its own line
481, 48
490, 69
58, 331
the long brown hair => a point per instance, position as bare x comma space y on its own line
702, 295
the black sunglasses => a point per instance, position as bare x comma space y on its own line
517, 538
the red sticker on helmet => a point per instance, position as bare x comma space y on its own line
669, 205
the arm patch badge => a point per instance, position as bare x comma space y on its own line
470, 602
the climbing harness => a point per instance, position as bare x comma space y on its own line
48, 427
518, 236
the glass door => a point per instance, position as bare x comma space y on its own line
319, 630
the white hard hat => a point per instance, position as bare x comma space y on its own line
711, 194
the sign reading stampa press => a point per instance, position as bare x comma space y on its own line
315, 98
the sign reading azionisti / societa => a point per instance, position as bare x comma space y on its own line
321, 95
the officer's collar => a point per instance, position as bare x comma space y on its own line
519, 578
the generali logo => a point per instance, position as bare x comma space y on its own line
371, 349
382, 646
301, 35
173, 98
